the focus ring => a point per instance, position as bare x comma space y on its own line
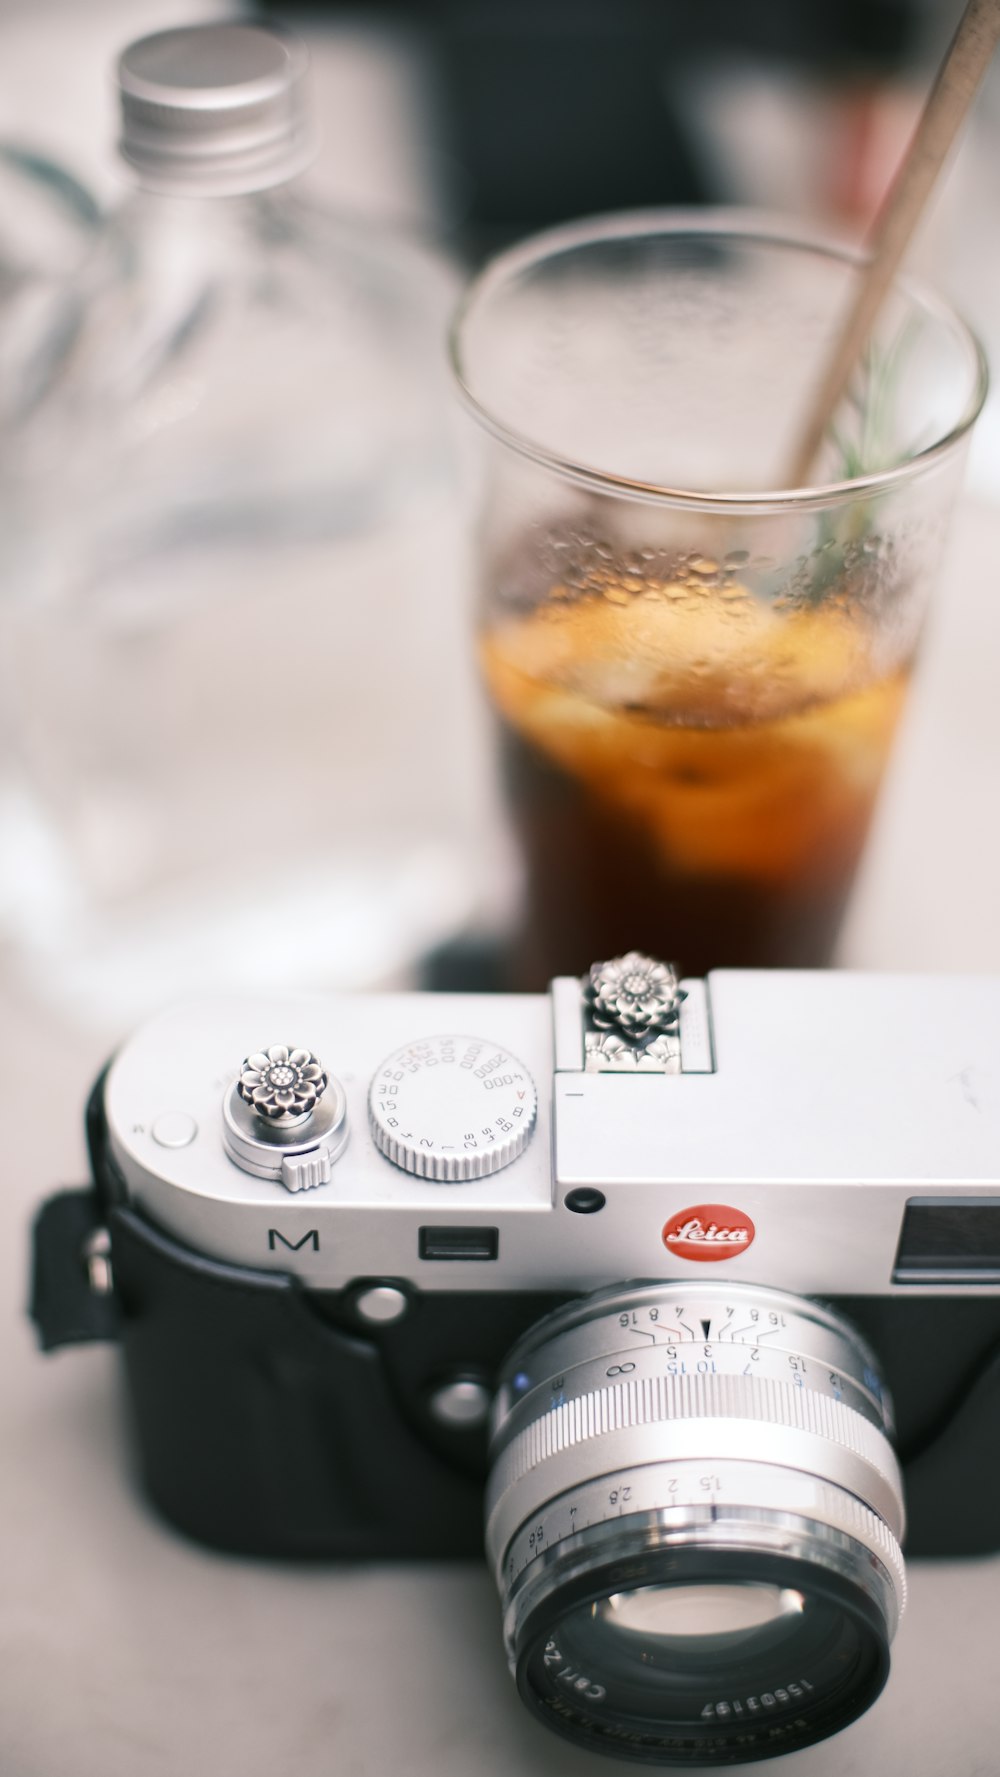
657, 1399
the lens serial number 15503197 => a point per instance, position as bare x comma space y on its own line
767, 1700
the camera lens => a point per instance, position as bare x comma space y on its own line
694, 1511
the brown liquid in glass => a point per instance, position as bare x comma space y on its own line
690, 773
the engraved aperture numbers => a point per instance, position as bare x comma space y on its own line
706, 1338
452, 1108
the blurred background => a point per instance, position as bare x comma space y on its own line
279, 767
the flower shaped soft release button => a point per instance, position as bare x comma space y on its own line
633, 1004
633, 994
281, 1084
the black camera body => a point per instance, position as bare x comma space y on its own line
271, 1420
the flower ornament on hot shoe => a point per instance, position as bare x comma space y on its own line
633, 1004
282, 1084
634, 995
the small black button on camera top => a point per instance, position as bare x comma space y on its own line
585, 1201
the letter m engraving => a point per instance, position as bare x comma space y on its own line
273, 1235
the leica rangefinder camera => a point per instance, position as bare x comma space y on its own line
688, 1290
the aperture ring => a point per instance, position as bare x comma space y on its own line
667, 1497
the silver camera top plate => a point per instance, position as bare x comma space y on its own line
836, 1101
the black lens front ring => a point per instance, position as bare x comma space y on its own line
835, 1701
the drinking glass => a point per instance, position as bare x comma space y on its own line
698, 669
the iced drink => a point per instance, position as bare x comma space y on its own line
696, 668
691, 770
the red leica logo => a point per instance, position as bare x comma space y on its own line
707, 1232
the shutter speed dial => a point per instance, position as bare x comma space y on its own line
452, 1108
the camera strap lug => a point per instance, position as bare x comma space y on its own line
97, 1258
72, 1296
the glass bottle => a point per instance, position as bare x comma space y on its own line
231, 559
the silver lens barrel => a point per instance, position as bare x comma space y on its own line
694, 1514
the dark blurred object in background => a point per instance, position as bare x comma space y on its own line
550, 109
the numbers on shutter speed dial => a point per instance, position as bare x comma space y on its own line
452, 1108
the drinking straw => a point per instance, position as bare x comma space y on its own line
950, 100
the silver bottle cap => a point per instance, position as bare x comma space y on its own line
214, 110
